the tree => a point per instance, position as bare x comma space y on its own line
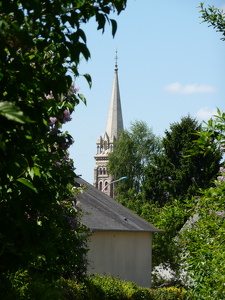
41, 42
133, 151
177, 172
172, 177
202, 238
203, 245
215, 18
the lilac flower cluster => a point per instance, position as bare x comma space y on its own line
49, 96
65, 117
64, 143
221, 177
55, 123
221, 213
222, 170
53, 120
66, 159
72, 90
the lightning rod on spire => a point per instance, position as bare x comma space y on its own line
116, 60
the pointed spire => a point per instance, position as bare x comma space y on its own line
115, 119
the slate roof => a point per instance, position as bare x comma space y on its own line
102, 213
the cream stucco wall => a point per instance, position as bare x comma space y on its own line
123, 254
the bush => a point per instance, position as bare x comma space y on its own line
23, 285
111, 288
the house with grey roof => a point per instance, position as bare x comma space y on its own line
121, 241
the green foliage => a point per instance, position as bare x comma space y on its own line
172, 179
175, 173
28, 286
203, 245
215, 17
213, 136
110, 288
11, 112
133, 151
41, 43
170, 219
202, 238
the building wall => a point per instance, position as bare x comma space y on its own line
123, 254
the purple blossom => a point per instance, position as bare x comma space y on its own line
49, 96
222, 170
73, 89
221, 178
53, 120
66, 157
66, 116
221, 213
58, 164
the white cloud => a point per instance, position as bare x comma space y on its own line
178, 88
206, 113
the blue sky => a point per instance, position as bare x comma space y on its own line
170, 65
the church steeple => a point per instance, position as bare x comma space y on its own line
105, 144
115, 119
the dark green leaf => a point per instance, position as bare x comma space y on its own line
82, 98
12, 112
27, 183
88, 78
114, 27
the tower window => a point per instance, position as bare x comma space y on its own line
100, 186
106, 187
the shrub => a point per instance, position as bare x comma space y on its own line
111, 288
24, 285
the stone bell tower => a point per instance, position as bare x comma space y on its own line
105, 143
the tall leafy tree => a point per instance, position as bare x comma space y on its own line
202, 238
133, 152
177, 173
41, 42
172, 183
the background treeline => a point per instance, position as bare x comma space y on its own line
177, 183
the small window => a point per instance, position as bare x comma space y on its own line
98, 149
100, 185
106, 186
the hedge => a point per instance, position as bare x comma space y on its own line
27, 286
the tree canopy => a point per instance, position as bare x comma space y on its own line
165, 177
42, 44
133, 152
177, 172
202, 237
